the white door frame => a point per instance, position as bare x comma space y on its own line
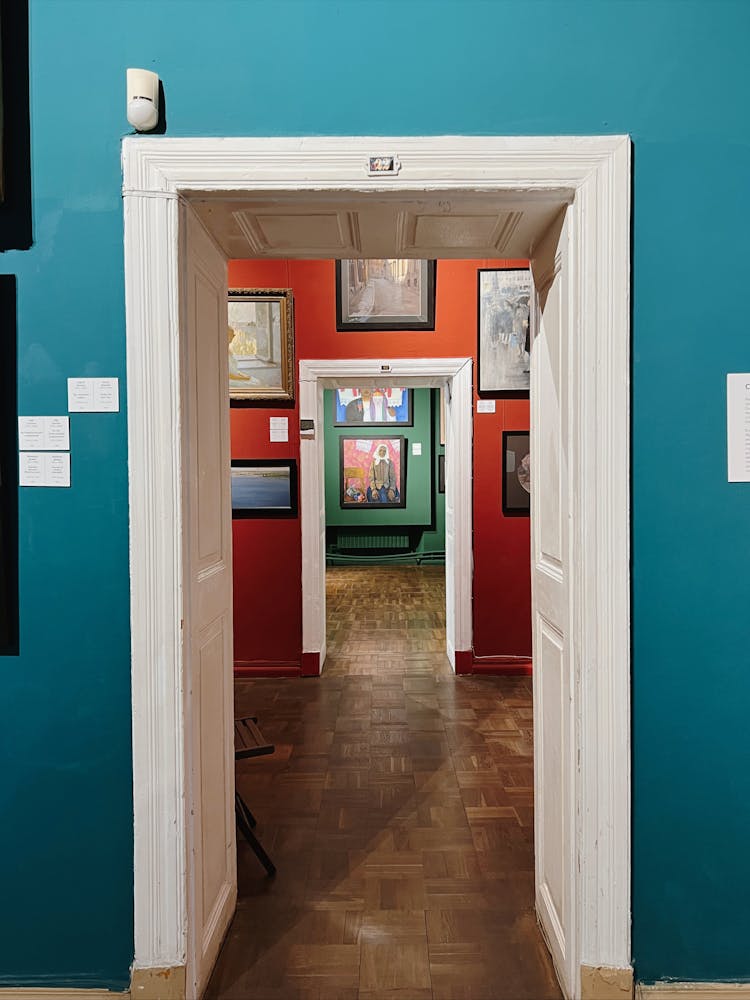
593, 175
455, 375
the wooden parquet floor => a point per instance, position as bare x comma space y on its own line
398, 809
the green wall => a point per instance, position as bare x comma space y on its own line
418, 509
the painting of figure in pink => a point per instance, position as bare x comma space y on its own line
372, 472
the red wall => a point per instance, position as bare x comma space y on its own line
268, 554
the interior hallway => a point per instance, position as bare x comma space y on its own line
398, 810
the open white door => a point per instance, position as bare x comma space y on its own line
554, 754
208, 690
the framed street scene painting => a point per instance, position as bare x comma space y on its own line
372, 472
385, 294
261, 344
504, 333
376, 407
264, 487
516, 474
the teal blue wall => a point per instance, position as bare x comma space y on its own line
675, 75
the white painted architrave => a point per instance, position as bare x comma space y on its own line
315, 376
593, 175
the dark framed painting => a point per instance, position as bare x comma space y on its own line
261, 344
385, 294
504, 331
264, 487
441, 473
372, 472
373, 407
516, 474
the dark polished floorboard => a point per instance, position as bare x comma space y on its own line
398, 809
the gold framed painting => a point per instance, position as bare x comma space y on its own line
261, 344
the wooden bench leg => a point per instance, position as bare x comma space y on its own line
244, 816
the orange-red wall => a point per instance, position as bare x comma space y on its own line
268, 554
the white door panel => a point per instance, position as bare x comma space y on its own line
212, 876
554, 755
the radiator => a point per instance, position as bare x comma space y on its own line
345, 541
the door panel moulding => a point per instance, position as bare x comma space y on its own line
592, 176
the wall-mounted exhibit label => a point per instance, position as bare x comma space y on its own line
44, 468
93, 395
485, 406
43, 433
278, 428
738, 427
416, 448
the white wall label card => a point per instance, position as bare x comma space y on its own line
31, 468
485, 406
416, 448
107, 395
57, 468
93, 395
44, 468
278, 428
738, 427
43, 433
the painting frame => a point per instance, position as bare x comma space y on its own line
245, 511
516, 497
504, 331
353, 278
354, 486
340, 403
273, 356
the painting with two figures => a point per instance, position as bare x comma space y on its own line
373, 406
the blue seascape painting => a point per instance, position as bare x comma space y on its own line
265, 488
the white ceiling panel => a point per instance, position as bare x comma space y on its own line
325, 225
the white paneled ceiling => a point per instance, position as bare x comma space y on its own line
324, 225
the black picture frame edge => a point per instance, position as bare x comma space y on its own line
494, 393
375, 327
511, 511
406, 423
246, 513
373, 506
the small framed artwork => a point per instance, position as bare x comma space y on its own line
376, 407
504, 334
261, 344
372, 472
516, 474
441, 473
385, 294
264, 487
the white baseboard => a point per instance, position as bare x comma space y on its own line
693, 991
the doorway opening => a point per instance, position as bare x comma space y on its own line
385, 544
582, 823
454, 377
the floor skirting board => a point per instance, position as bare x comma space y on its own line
243, 669
693, 991
59, 993
496, 666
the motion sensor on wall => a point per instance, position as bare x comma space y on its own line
143, 99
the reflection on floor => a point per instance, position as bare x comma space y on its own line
398, 809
